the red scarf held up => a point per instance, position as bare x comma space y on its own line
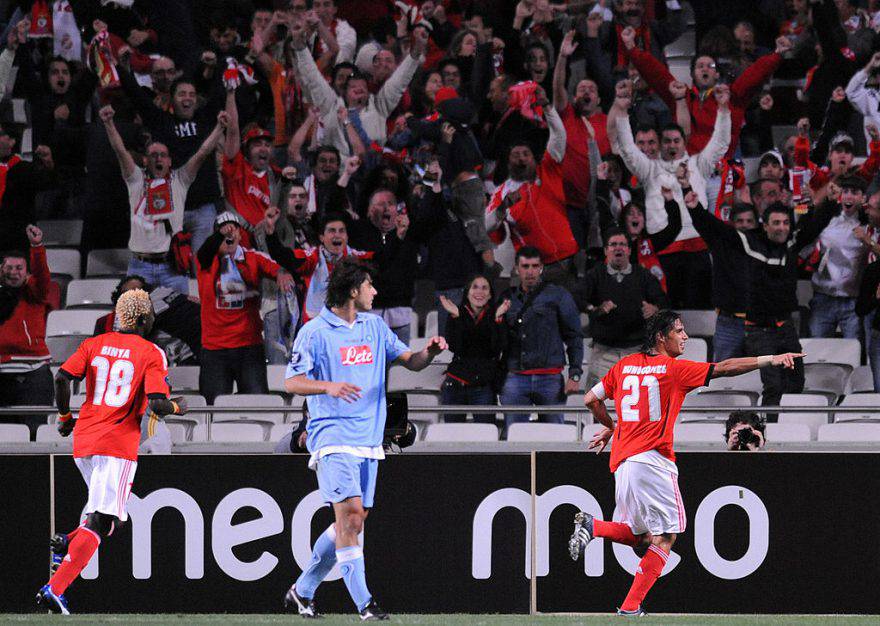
643, 42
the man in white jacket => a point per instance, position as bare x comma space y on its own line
865, 98
686, 261
366, 113
345, 35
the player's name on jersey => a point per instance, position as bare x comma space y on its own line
119, 353
646, 369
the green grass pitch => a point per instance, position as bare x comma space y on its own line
447, 620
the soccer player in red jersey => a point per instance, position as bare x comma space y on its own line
648, 389
124, 373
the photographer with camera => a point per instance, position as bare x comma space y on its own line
744, 430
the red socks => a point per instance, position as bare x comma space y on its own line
615, 531
647, 573
79, 552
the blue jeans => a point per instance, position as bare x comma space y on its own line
455, 296
826, 312
534, 389
200, 223
159, 274
453, 392
730, 338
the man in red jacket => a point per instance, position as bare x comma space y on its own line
229, 289
25, 377
705, 76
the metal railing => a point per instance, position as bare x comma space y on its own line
579, 411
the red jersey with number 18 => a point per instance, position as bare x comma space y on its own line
648, 391
121, 370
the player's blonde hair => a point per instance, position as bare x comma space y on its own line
132, 307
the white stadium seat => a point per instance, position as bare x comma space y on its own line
62, 347
64, 261
90, 293
782, 433
861, 380
871, 403
856, 433
14, 433
244, 401
698, 323
275, 375
279, 430
577, 399
744, 383
49, 433
183, 378
829, 379
178, 432
713, 400
461, 432
431, 323
230, 432
699, 433
528, 431
695, 349
812, 420
429, 379
833, 350
108, 262
424, 399
75, 322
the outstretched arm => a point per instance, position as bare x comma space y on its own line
416, 361
566, 48
743, 365
233, 137
126, 163
600, 414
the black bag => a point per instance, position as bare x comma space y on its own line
398, 429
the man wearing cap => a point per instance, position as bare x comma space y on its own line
157, 197
771, 165
368, 113
229, 289
840, 158
837, 279
249, 179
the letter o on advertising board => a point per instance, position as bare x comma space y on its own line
759, 532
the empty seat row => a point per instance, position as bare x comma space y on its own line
68, 262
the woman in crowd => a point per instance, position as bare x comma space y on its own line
476, 337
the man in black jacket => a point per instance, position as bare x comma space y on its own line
772, 296
395, 256
452, 259
619, 296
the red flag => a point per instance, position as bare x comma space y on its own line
101, 61
41, 21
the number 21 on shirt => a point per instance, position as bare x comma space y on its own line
642, 394
112, 383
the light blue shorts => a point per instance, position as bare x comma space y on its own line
342, 476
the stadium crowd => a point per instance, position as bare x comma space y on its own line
245, 146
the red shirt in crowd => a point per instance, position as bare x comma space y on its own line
121, 371
821, 176
648, 391
246, 190
231, 319
24, 333
539, 218
703, 107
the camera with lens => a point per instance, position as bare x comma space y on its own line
746, 436
748, 427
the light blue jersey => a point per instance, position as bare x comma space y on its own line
327, 348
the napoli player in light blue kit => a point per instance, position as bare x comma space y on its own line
340, 359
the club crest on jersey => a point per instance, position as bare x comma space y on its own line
356, 355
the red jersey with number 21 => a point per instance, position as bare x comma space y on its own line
121, 370
648, 391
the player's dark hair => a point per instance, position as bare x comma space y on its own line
661, 323
348, 275
526, 252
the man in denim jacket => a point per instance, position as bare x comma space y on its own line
543, 326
